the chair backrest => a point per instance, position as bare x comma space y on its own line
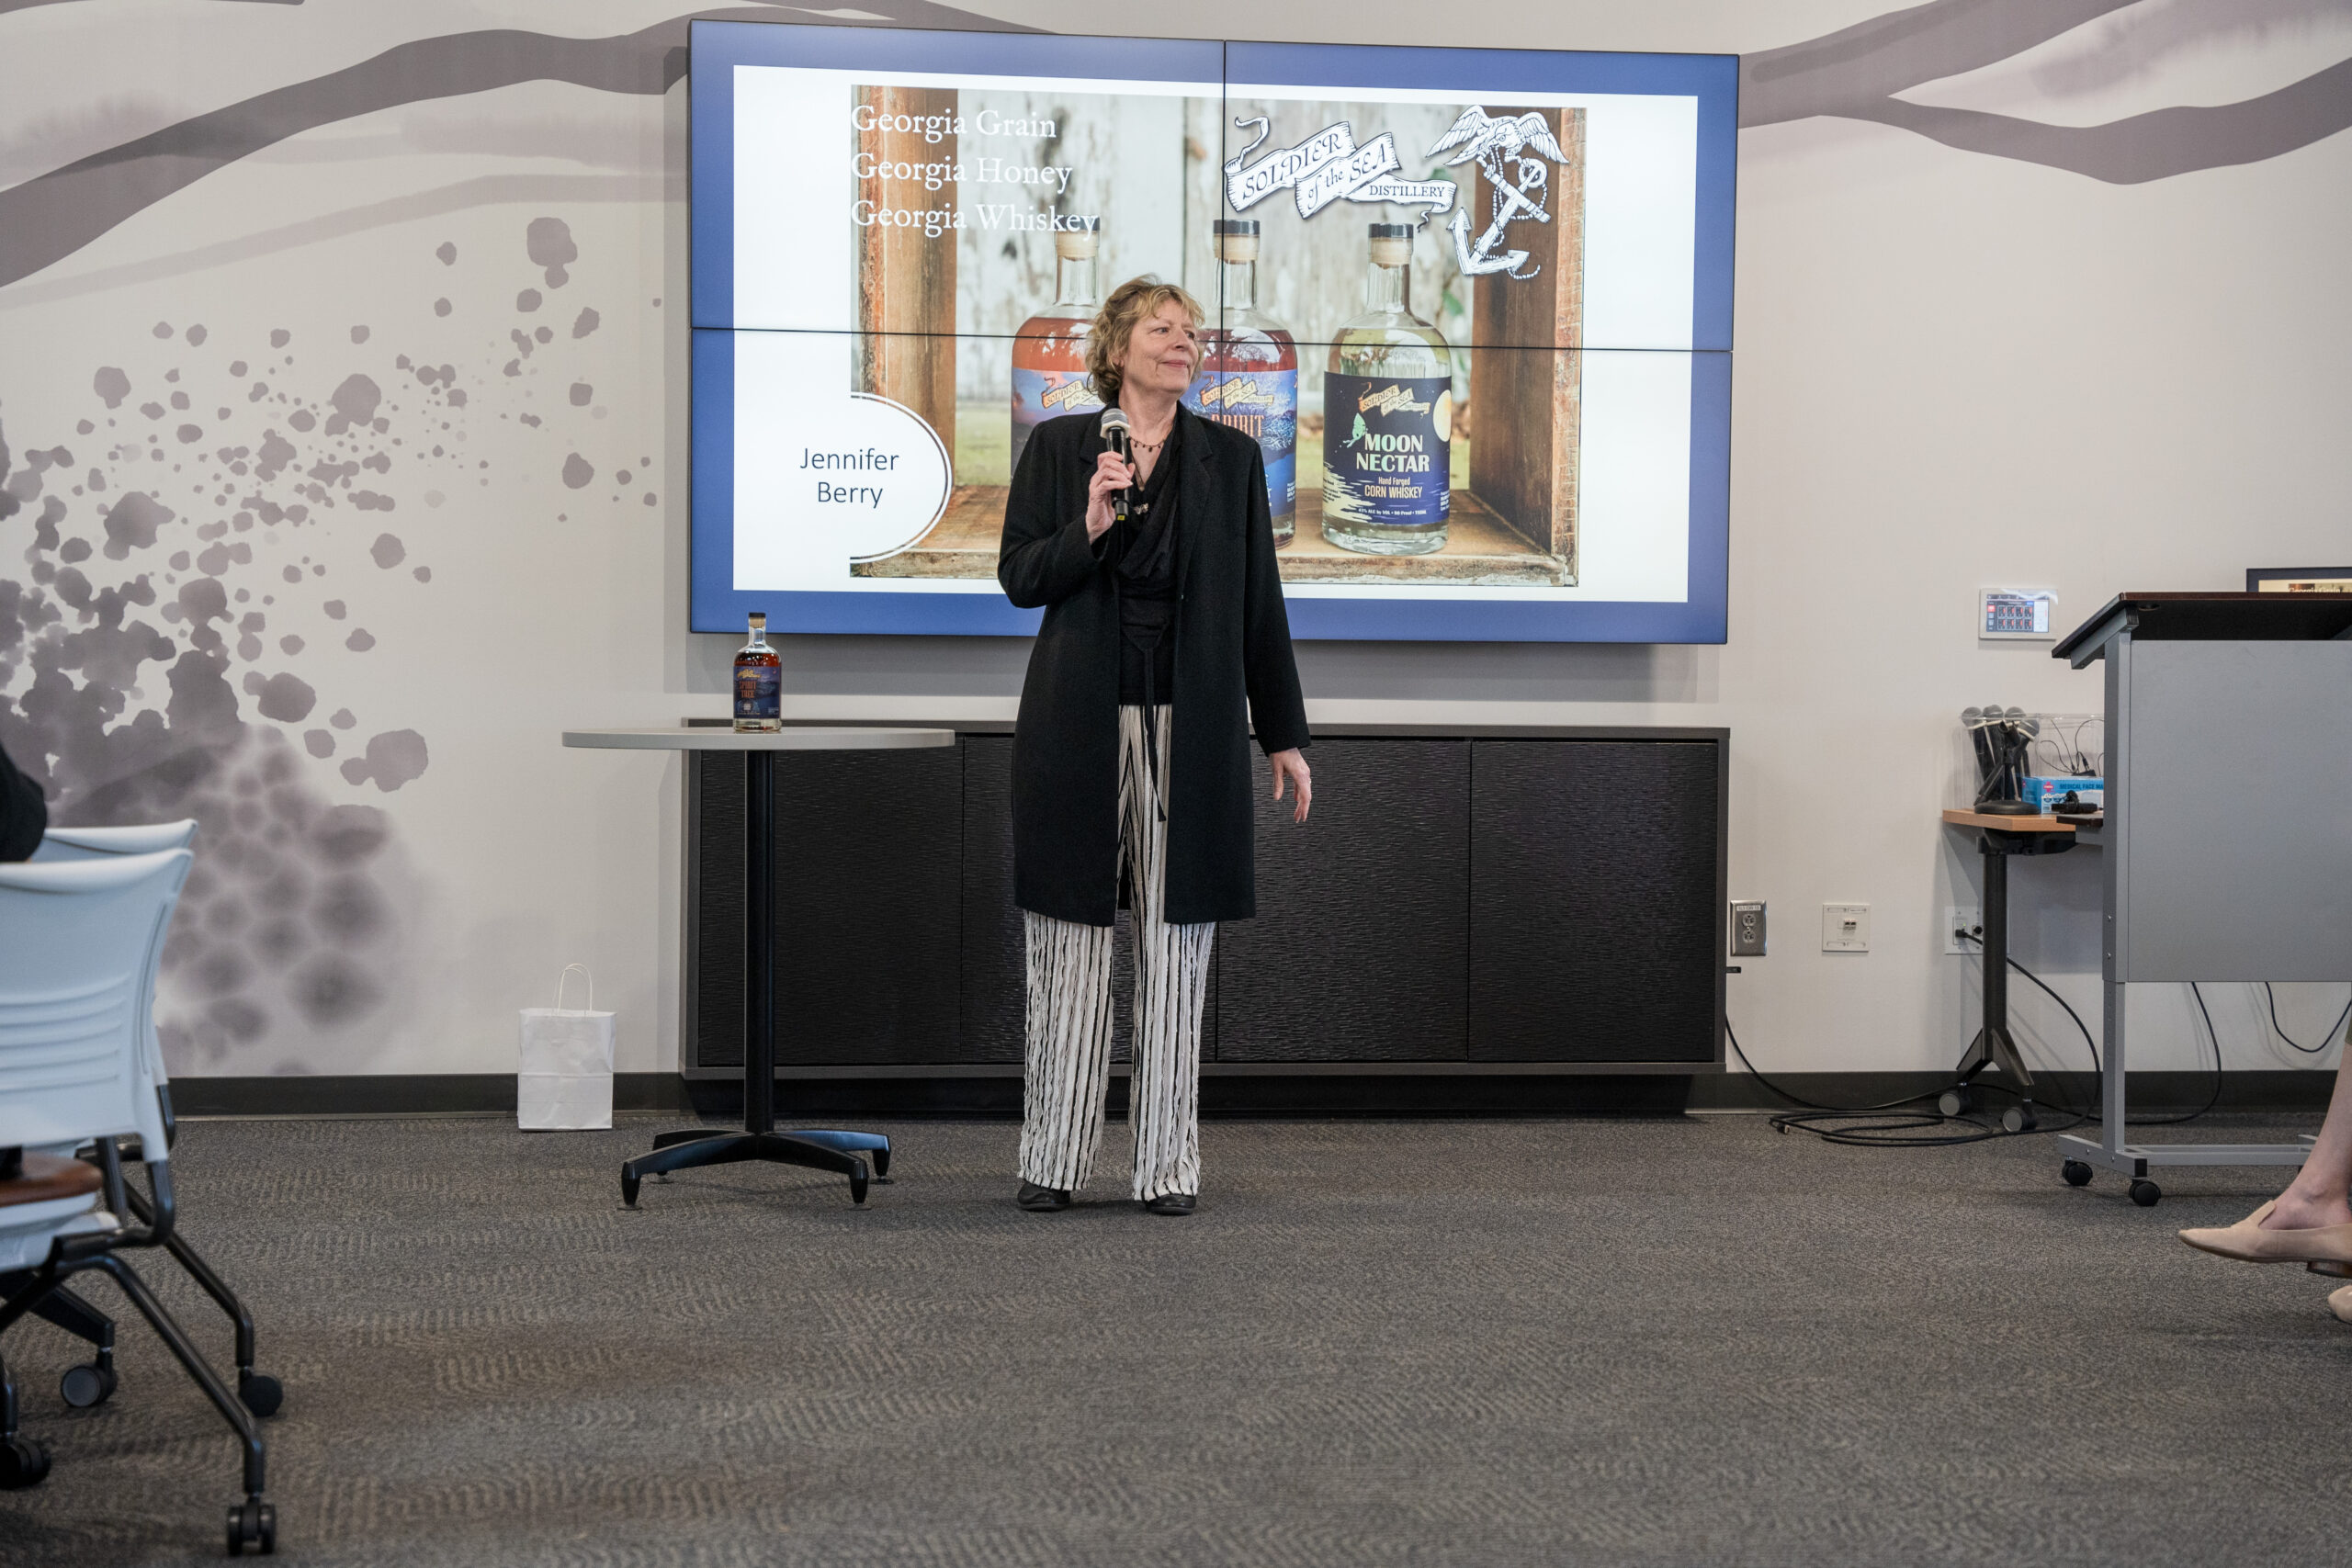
140, 838
98, 843
75, 990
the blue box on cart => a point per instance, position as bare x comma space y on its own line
2043, 794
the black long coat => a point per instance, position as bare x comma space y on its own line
1232, 646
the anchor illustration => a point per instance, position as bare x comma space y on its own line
1496, 142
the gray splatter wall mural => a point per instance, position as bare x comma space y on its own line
213, 532
342, 443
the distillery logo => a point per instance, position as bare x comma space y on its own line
1237, 392
1070, 394
1502, 147
1330, 166
1389, 400
1326, 167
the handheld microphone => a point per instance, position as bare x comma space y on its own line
1114, 434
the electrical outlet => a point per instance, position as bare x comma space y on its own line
1959, 918
1748, 930
1845, 928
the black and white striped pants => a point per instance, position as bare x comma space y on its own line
1069, 1056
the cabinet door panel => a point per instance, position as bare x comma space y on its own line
1360, 950
993, 998
714, 903
868, 906
1593, 901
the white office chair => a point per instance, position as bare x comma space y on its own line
75, 990
140, 838
92, 1383
99, 843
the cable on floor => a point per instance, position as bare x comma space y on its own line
2326, 1040
2098, 1069
1876, 1130
1901, 1129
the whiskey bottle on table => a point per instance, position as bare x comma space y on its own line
1049, 348
1388, 416
1248, 376
759, 682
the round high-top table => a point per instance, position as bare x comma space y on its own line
759, 1140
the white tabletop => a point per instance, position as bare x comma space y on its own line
720, 738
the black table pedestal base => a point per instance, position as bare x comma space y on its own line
759, 1140
817, 1151
1994, 1046
873, 1143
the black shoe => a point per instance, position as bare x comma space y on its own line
1042, 1198
1171, 1203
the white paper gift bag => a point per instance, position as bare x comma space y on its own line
566, 1079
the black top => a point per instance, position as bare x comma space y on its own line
1142, 553
24, 812
2208, 617
1230, 640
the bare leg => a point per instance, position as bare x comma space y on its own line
2316, 1196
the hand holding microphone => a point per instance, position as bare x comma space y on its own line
1115, 477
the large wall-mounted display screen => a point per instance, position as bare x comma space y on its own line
1473, 305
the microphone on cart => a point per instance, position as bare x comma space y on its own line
1114, 434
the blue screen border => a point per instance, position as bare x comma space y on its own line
716, 48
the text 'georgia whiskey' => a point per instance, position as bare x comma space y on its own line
1388, 416
1248, 376
759, 682
1049, 348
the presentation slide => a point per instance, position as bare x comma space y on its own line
1473, 305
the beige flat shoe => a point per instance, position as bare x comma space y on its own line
2249, 1243
2340, 1303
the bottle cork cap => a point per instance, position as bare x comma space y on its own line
1391, 253
1236, 247
1076, 245
759, 620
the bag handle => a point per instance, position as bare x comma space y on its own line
566, 975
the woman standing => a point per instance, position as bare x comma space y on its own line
1131, 757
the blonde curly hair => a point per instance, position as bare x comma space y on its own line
1138, 300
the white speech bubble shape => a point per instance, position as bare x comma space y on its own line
920, 481
824, 477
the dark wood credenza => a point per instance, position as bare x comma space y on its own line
1462, 902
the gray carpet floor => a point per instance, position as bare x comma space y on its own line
1377, 1343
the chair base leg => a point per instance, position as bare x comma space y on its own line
260, 1392
191, 1360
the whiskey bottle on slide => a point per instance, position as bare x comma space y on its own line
759, 682
1388, 416
1049, 348
1248, 376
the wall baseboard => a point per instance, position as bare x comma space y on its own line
397, 1094
1326, 1095
2152, 1093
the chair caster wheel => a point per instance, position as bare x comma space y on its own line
260, 1392
2018, 1119
1952, 1102
881, 1158
87, 1385
253, 1524
2145, 1192
23, 1463
2078, 1174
